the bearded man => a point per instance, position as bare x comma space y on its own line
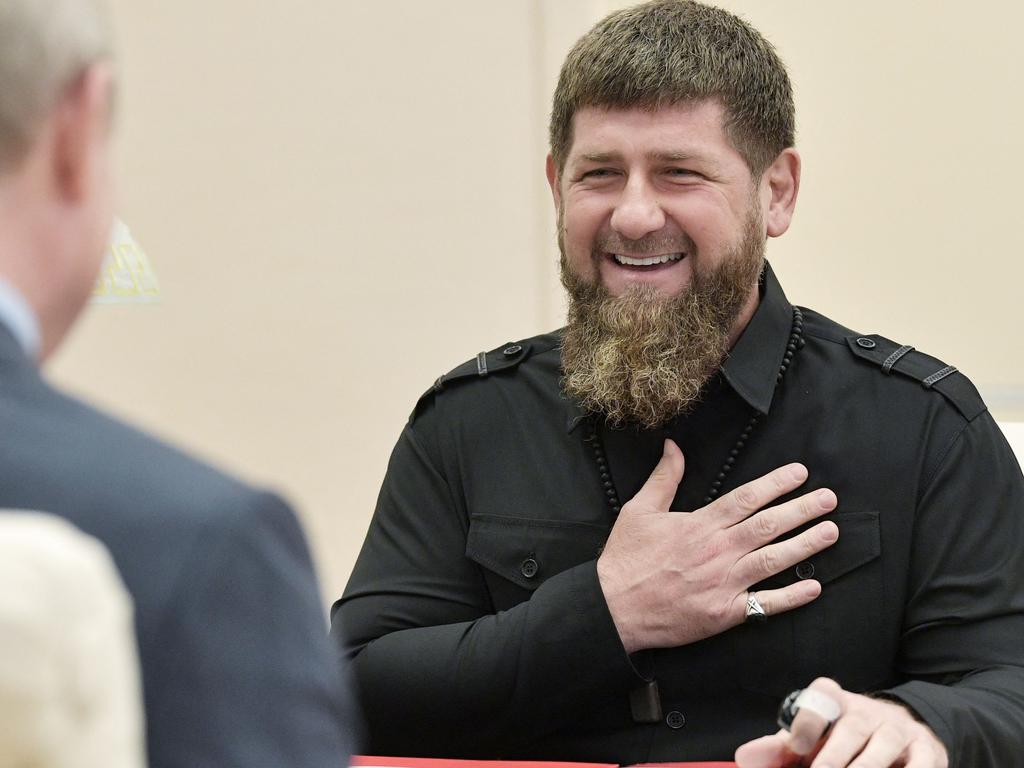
542, 580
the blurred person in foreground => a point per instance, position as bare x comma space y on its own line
236, 668
544, 575
70, 693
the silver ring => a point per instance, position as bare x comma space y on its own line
755, 611
821, 704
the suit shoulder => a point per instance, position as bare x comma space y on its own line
116, 467
157, 509
500, 362
891, 358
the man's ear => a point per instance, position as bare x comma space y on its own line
82, 123
780, 185
552, 174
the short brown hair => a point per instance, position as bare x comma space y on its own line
667, 52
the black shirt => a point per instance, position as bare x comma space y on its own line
478, 628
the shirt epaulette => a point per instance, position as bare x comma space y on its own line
925, 369
507, 356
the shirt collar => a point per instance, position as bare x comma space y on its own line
18, 317
752, 366
574, 412
753, 363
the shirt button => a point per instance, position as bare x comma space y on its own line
529, 568
865, 343
675, 720
805, 570
515, 349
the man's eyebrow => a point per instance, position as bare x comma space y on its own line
665, 156
674, 156
600, 157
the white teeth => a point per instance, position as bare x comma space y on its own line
649, 261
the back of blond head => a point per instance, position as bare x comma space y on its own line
44, 46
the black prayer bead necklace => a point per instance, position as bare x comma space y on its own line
796, 342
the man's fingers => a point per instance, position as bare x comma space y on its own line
885, 747
807, 729
847, 737
867, 734
741, 503
776, 601
767, 525
921, 755
769, 560
766, 752
659, 490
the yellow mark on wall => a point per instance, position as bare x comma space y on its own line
126, 276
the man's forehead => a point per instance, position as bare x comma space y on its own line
710, 105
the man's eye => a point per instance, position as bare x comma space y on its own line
597, 173
682, 173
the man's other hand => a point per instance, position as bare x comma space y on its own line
671, 579
870, 733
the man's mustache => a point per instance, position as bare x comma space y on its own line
652, 245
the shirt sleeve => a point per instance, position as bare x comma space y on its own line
963, 636
440, 672
248, 677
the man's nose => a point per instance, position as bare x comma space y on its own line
638, 212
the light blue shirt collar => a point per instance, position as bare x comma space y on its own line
20, 320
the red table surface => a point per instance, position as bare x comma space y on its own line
373, 761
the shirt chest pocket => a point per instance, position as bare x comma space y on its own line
517, 555
843, 633
859, 543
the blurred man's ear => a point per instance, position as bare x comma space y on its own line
81, 132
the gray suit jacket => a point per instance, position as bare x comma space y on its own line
235, 660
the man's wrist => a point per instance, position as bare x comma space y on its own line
607, 582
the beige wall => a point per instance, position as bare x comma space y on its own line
344, 199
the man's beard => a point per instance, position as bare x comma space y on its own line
644, 358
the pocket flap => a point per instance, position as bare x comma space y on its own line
527, 551
860, 542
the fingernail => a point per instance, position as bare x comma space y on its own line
798, 472
830, 533
826, 499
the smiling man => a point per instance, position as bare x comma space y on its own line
543, 578
634, 184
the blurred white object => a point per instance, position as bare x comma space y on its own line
126, 276
1014, 431
70, 695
